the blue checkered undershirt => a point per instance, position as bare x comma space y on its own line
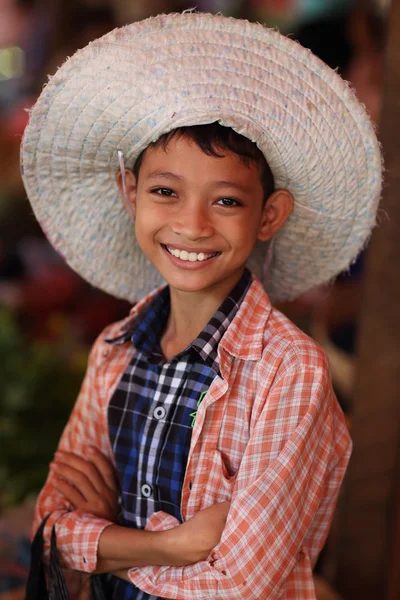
152, 413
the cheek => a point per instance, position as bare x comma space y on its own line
245, 231
140, 237
147, 224
150, 212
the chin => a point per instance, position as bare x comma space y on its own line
186, 286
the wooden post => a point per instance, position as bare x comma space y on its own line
369, 532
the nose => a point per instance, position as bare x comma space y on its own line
193, 221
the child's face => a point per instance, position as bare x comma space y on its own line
198, 216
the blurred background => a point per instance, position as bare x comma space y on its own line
49, 316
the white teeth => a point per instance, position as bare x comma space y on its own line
190, 256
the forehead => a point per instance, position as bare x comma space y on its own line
182, 155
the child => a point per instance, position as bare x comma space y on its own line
215, 411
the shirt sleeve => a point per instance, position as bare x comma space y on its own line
78, 532
286, 499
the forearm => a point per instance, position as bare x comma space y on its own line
121, 548
173, 545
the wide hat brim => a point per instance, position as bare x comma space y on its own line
136, 83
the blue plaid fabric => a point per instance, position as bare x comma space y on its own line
152, 413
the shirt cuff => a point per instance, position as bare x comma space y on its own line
79, 534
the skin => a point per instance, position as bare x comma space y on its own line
91, 486
185, 200
190, 201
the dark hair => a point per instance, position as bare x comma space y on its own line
213, 139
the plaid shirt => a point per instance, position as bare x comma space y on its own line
153, 410
269, 436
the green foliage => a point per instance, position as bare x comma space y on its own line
38, 386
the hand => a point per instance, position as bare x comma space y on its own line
193, 540
121, 548
90, 485
122, 574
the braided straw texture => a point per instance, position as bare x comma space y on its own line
124, 90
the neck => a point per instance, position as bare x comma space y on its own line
190, 313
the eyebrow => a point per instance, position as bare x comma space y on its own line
164, 175
222, 183
232, 184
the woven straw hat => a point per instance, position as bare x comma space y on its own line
136, 83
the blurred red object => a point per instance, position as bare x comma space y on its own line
14, 123
274, 5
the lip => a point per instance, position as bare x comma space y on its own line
187, 265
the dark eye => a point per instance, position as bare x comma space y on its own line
162, 191
228, 202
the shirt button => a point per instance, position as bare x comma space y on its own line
146, 490
159, 413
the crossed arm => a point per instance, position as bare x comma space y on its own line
290, 478
81, 493
91, 486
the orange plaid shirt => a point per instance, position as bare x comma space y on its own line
269, 436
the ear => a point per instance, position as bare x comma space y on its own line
276, 210
129, 199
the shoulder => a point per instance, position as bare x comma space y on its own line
294, 376
267, 340
290, 346
293, 373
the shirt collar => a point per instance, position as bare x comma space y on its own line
145, 325
147, 322
249, 330
206, 343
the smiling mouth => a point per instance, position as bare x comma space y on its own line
189, 256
